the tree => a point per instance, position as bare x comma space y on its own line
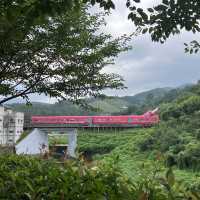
62, 56
17, 16
165, 19
161, 21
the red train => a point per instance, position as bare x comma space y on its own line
148, 119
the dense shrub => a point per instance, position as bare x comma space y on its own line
26, 178
30, 178
100, 143
170, 160
190, 158
97, 149
191, 105
180, 147
170, 110
176, 109
162, 139
197, 134
146, 144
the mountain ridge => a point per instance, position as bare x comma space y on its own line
106, 106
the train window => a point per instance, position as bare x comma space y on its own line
89, 120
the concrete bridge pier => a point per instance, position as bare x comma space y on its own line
72, 142
36, 142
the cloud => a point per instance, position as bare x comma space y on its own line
149, 65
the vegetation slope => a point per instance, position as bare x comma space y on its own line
158, 163
109, 105
175, 141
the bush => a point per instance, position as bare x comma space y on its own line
162, 139
30, 178
146, 144
197, 134
190, 158
170, 160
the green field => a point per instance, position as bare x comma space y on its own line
121, 169
124, 145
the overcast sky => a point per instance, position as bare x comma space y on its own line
148, 65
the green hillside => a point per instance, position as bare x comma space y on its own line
175, 141
177, 137
161, 162
62, 108
107, 106
153, 95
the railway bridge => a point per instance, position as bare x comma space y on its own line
44, 125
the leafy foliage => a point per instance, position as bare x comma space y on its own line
62, 57
166, 18
30, 178
37, 179
178, 135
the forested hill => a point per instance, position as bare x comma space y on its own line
145, 97
178, 134
110, 105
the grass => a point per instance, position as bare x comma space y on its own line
106, 145
57, 139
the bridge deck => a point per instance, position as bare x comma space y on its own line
65, 126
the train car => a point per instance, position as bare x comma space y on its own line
59, 119
100, 120
147, 119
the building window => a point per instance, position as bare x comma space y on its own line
12, 121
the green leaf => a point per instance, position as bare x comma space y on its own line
93, 2
150, 10
27, 195
128, 3
170, 177
144, 30
160, 8
166, 2
130, 15
112, 5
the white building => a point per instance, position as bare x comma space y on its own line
11, 126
